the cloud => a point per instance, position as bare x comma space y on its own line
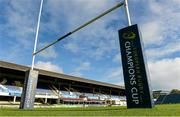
164, 74
48, 66
20, 22
84, 66
49, 52
164, 51
73, 47
91, 41
17, 21
117, 58
160, 34
121, 83
159, 24
65, 18
152, 32
114, 75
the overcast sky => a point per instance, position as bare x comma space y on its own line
94, 52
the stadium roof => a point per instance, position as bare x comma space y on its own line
14, 66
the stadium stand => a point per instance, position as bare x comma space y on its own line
3, 90
65, 96
56, 88
168, 99
160, 99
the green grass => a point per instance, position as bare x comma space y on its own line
158, 110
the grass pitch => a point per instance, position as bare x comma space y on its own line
158, 110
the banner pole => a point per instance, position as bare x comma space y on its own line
127, 12
37, 32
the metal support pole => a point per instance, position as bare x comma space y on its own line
14, 100
80, 27
46, 99
127, 12
37, 32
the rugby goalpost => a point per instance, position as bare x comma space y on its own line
30, 83
28, 94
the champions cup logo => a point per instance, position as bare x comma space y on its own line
129, 35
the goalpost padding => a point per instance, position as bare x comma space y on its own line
29, 90
136, 78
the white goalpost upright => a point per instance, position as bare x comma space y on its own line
127, 12
37, 33
31, 76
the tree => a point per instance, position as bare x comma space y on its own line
175, 91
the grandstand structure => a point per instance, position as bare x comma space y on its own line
57, 88
157, 93
169, 99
